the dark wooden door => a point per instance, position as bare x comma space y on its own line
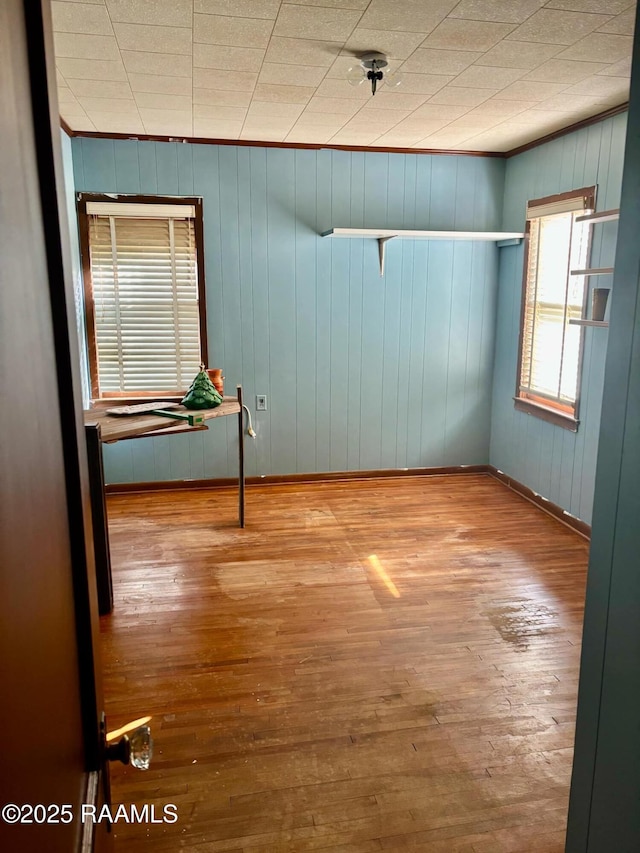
50, 702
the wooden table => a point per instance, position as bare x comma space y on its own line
102, 428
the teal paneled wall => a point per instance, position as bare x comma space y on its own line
361, 372
556, 463
605, 784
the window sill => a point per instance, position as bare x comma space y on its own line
546, 414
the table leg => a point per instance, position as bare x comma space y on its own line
101, 552
240, 458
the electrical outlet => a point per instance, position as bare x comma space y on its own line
261, 402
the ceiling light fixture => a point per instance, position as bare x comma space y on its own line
373, 66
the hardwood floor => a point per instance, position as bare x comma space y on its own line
381, 665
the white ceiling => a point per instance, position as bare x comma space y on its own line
479, 75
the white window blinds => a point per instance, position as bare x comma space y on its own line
145, 294
550, 345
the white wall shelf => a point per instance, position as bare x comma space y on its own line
602, 271
383, 235
601, 323
602, 216
595, 219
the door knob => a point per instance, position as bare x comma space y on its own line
135, 748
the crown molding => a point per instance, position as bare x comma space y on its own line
256, 143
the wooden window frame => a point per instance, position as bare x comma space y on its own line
530, 403
82, 199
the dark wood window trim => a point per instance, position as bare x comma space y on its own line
82, 199
547, 413
586, 192
553, 416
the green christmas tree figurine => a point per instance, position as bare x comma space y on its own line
202, 393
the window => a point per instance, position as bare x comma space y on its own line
144, 293
550, 347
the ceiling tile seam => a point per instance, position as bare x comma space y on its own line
560, 48
125, 23
193, 93
282, 3
424, 46
340, 53
64, 79
492, 21
273, 25
137, 73
142, 124
583, 14
221, 14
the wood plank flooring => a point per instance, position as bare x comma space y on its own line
382, 665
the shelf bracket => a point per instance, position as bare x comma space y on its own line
382, 241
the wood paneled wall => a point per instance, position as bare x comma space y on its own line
361, 372
550, 460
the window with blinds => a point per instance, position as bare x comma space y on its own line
551, 348
145, 311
